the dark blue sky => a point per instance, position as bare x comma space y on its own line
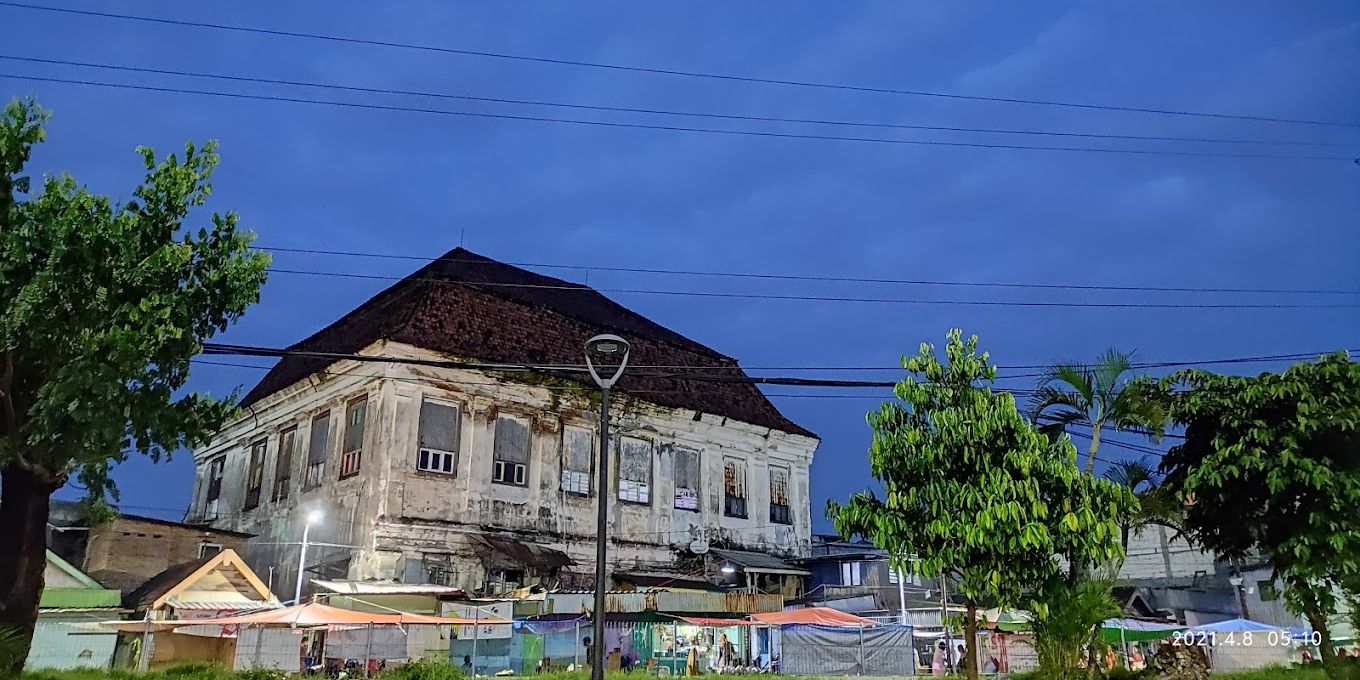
334, 178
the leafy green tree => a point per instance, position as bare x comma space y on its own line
1097, 396
101, 306
1073, 623
1155, 504
1272, 464
975, 491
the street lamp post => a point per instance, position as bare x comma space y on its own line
313, 517
1236, 581
603, 353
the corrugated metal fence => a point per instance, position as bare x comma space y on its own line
826, 650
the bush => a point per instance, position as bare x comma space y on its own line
422, 669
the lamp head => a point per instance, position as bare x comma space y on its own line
728, 568
314, 517
606, 357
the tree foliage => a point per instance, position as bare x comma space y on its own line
1156, 505
973, 489
1099, 395
102, 304
1272, 463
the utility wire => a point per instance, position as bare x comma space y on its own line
822, 298
808, 277
660, 71
661, 112
677, 128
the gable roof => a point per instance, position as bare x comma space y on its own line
469, 306
85, 594
66, 567
166, 587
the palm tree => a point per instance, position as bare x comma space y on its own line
1155, 505
1097, 396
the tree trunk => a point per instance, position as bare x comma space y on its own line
1091, 451
1318, 620
970, 629
23, 533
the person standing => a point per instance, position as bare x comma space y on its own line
590, 652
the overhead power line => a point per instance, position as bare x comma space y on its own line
254, 350
831, 298
662, 112
820, 278
662, 71
676, 128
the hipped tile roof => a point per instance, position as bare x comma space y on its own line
471, 307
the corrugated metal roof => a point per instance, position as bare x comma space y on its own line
755, 561
79, 598
532, 555
240, 603
386, 588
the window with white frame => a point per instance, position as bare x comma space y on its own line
686, 478
635, 470
852, 574
437, 439
578, 445
510, 453
352, 454
207, 549
734, 487
318, 450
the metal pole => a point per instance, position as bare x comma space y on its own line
302, 562
601, 528
861, 650
144, 659
1124, 643
944, 621
476, 630
901, 594
576, 646
368, 649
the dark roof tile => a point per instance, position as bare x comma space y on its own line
471, 307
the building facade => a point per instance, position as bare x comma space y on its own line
483, 477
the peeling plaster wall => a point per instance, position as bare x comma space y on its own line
392, 513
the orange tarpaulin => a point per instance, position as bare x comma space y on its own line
315, 614
821, 616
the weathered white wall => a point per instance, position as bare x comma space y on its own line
391, 512
1156, 553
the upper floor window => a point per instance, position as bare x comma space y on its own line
686, 479
510, 452
255, 474
283, 467
734, 487
852, 574
437, 440
578, 447
214, 492
779, 496
352, 454
206, 549
635, 470
318, 449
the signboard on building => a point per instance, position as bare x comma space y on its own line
485, 610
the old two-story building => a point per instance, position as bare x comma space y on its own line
453, 465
